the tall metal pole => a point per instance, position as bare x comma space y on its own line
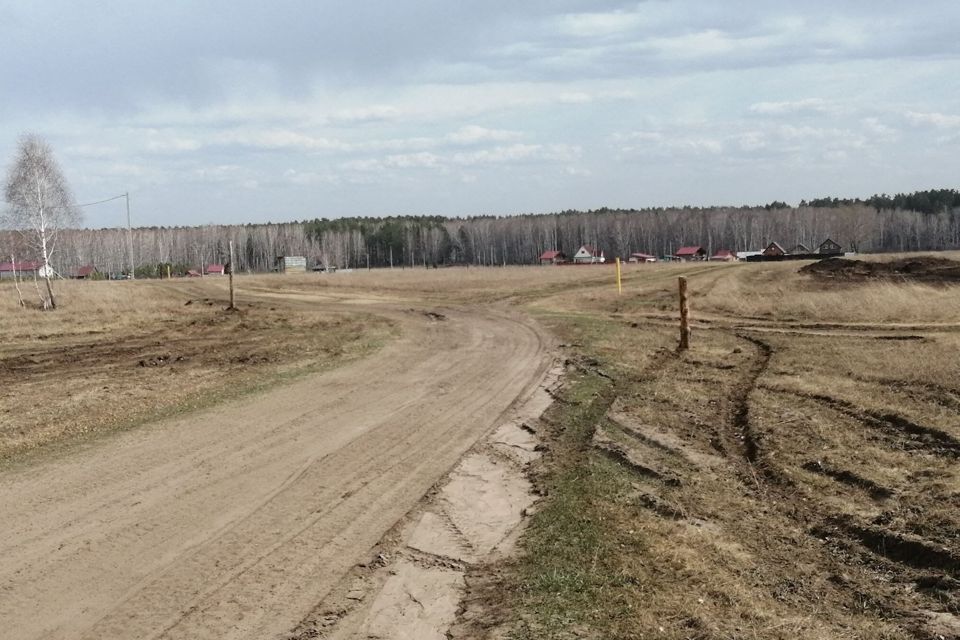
129, 237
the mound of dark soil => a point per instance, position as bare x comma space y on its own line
919, 269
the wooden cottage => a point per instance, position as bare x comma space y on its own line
553, 257
829, 248
642, 257
690, 253
774, 249
799, 248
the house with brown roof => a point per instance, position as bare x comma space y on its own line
690, 253
774, 249
829, 248
642, 257
553, 257
799, 248
588, 254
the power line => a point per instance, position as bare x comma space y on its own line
90, 204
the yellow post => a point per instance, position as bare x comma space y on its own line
619, 286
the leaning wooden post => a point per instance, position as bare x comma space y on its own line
684, 316
232, 306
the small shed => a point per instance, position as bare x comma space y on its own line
829, 248
87, 272
553, 257
215, 270
642, 257
291, 264
192, 273
588, 254
774, 249
724, 255
691, 253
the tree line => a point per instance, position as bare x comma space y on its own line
405, 241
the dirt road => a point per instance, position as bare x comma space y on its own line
234, 522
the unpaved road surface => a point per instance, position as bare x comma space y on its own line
234, 522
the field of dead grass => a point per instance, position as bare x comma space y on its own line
116, 354
793, 475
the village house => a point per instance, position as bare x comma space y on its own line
88, 272
799, 248
774, 249
25, 269
588, 254
215, 270
553, 257
642, 257
691, 253
724, 255
829, 248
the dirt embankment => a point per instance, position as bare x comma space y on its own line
928, 269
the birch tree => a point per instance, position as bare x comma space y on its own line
39, 203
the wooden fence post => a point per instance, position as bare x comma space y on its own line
232, 306
684, 316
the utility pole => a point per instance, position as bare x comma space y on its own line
129, 236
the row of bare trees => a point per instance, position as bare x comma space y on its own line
418, 241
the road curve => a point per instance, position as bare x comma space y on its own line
234, 522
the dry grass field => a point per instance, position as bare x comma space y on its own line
793, 475
116, 354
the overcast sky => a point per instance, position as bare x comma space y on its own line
239, 111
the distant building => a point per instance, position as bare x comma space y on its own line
724, 255
553, 257
291, 264
642, 257
87, 272
829, 248
774, 249
691, 253
588, 254
743, 255
799, 248
25, 269
215, 270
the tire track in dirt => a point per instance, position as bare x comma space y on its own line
234, 522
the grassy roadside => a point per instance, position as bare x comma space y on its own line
686, 497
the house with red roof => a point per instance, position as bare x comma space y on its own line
588, 254
88, 272
215, 270
20, 269
723, 255
690, 253
553, 257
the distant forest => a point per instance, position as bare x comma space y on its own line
920, 221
